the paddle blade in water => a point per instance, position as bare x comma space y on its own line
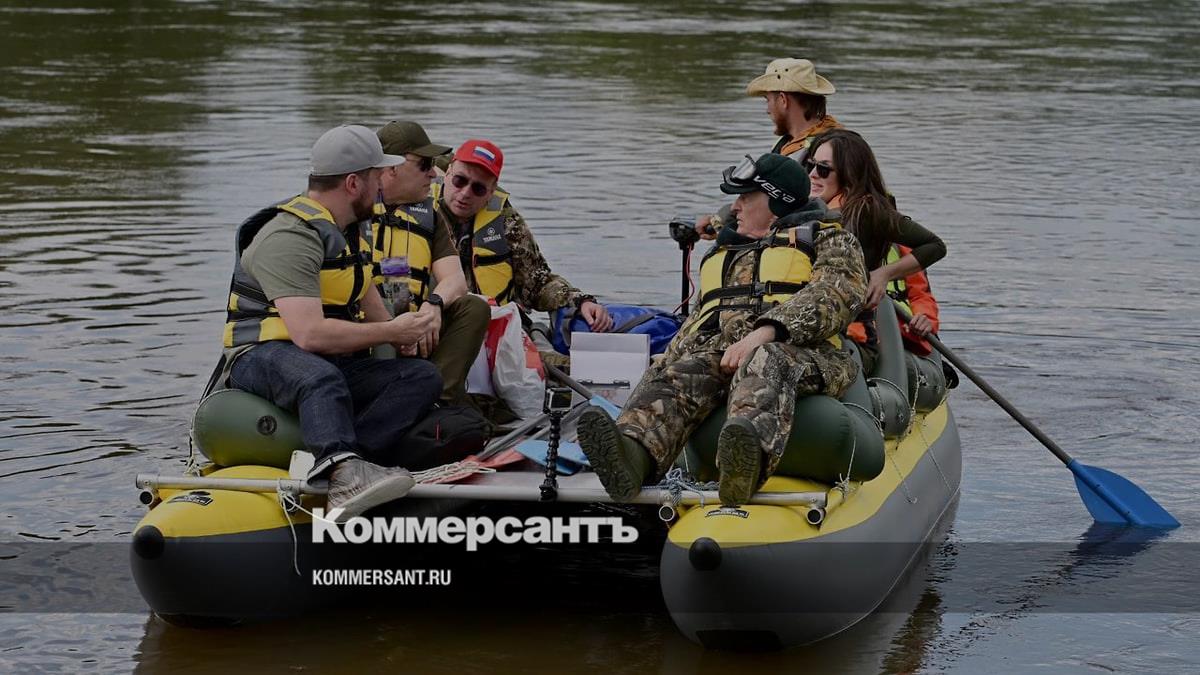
1111, 498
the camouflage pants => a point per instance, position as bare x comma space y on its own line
678, 393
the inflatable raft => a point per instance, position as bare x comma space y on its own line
863, 485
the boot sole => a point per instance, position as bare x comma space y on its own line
739, 454
601, 442
378, 493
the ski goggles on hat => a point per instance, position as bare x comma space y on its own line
742, 173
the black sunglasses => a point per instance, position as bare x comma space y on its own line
823, 170
478, 189
424, 164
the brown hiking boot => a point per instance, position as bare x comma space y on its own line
739, 457
610, 454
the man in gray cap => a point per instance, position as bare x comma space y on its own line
774, 297
302, 315
409, 233
795, 96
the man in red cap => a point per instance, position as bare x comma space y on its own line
499, 255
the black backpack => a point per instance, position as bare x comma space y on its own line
446, 435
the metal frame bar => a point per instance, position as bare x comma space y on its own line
531, 493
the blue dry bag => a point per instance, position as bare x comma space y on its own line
659, 325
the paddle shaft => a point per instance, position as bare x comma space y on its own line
567, 380
992, 393
1000, 400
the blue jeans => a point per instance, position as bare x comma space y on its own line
348, 405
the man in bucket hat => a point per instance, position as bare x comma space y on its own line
302, 316
795, 95
774, 297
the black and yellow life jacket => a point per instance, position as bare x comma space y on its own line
862, 329
897, 289
490, 258
406, 231
783, 262
345, 272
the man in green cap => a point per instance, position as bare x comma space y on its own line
795, 95
775, 295
409, 235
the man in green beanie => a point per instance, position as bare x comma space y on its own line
775, 296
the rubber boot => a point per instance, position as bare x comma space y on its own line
739, 457
621, 463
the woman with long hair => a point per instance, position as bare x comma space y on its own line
844, 173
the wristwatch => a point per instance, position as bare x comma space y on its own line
436, 300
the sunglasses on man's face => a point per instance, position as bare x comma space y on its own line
423, 164
478, 189
823, 170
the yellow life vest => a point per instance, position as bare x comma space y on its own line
406, 231
782, 266
863, 330
897, 289
490, 258
345, 271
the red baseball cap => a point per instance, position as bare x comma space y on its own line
481, 152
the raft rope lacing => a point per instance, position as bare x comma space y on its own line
908, 496
467, 467
933, 455
675, 482
192, 468
289, 503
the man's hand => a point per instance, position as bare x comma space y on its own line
596, 316
408, 329
921, 325
876, 287
429, 341
738, 352
705, 229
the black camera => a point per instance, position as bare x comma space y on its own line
683, 230
558, 399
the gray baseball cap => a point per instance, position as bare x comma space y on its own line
347, 149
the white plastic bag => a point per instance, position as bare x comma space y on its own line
516, 369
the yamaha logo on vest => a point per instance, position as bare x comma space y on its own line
490, 235
419, 208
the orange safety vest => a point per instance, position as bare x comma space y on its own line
912, 292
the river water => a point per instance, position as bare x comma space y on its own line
1051, 144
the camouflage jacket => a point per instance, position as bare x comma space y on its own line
823, 308
534, 285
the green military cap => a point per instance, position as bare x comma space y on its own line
400, 138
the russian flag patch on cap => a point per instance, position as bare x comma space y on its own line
482, 153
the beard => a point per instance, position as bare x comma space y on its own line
780, 126
364, 206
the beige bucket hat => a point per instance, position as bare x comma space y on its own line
797, 75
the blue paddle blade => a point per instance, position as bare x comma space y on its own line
1112, 499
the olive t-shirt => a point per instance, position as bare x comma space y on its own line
285, 258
